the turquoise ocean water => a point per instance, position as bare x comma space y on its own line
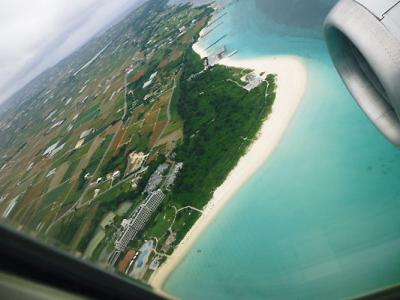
321, 218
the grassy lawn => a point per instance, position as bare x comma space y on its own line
98, 154
108, 219
123, 208
161, 223
71, 170
114, 192
69, 199
98, 250
72, 156
94, 243
184, 221
56, 194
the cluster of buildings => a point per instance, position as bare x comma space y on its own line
253, 80
131, 226
173, 174
156, 178
137, 221
182, 31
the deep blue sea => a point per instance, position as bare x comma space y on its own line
321, 218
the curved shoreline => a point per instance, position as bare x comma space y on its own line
292, 83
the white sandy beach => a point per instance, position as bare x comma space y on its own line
292, 82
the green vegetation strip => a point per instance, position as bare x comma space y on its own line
220, 121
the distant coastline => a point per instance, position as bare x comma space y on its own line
292, 81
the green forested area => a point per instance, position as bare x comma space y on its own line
220, 121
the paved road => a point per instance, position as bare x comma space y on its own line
168, 114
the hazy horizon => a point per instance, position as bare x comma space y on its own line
38, 37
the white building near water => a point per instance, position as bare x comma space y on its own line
138, 220
253, 80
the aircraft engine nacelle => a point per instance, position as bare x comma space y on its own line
363, 38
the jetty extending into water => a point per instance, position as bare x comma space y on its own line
211, 30
217, 41
232, 53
